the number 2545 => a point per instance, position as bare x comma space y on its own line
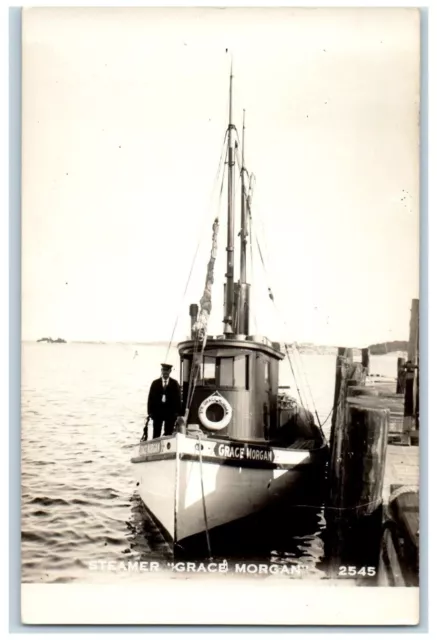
357, 571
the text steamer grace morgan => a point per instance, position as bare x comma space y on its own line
241, 445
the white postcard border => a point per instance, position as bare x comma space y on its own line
224, 602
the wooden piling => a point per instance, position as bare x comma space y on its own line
411, 422
358, 458
343, 373
349, 354
365, 360
400, 381
409, 404
358, 442
415, 436
413, 344
358, 374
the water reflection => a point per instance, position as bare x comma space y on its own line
291, 537
82, 413
146, 540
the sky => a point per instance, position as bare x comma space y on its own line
124, 116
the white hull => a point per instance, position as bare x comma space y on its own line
188, 494
157, 491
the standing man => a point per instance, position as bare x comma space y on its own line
164, 403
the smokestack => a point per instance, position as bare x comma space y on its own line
194, 310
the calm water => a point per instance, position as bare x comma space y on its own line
83, 408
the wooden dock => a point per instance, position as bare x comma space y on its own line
398, 564
402, 461
401, 468
373, 472
373, 477
387, 396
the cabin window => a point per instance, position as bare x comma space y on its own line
240, 371
209, 370
186, 367
230, 372
226, 372
267, 372
234, 372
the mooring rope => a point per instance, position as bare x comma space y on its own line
327, 417
327, 507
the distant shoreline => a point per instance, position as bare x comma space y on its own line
121, 342
382, 348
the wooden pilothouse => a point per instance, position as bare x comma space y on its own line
242, 444
236, 392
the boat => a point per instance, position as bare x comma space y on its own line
242, 445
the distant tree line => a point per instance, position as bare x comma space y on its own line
388, 347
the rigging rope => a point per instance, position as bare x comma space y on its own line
301, 392
299, 365
271, 296
250, 235
201, 326
252, 313
294, 375
303, 400
308, 384
197, 356
199, 242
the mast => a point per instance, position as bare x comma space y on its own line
243, 234
243, 289
229, 303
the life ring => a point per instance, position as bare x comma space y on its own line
227, 413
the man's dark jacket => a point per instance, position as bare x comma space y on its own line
171, 406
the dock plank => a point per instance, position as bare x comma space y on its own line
401, 468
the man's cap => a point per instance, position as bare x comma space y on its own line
166, 367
